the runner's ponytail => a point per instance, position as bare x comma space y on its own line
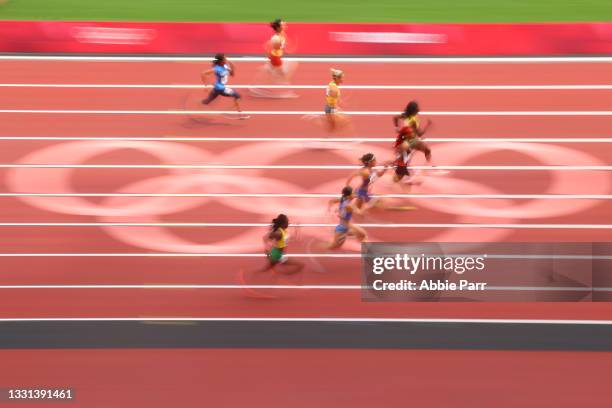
276, 24
282, 221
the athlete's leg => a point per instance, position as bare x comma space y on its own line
212, 95
423, 148
229, 92
331, 121
338, 240
359, 233
255, 278
290, 267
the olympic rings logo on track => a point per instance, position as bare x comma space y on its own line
177, 181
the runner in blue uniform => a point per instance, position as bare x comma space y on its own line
368, 176
222, 69
345, 227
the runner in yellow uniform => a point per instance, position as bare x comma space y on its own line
335, 120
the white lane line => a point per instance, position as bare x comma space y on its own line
302, 225
429, 60
298, 287
354, 87
261, 255
167, 255
316, 139
309, 319
302, 113
328, 195
296, 167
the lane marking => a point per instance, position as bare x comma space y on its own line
355, 87
327, 195
301, 113
296, 167
304, 255
309, 319
298, 287
302, 225
318, 139
169, 254
434, 60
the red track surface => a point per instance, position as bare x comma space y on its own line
236, 378
304, 303
274, 378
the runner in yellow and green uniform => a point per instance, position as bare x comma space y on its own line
276, 241
280, 236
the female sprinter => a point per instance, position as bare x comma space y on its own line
275, 242
409, 138
222, 69
278, 70
335, 120
368, 176
345, 212
277, 44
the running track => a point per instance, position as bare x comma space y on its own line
37, 135
438, 213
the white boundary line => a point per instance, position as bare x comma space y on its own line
303, 225
354, 255
315, 139
297, 287
308, 319
262, 255
326, 195
354, 87
295, 167
302, 113
167, 255
193, 286
429, 60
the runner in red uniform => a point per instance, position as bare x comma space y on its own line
409, 139
277, 71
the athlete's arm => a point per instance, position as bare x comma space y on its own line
274, 235
232, 68
276, 43
381, 172
354, 210
205, 75
333, 91
270, 238
423, 129
404, 147
267, 242
352, 176
396, 120
332, 202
